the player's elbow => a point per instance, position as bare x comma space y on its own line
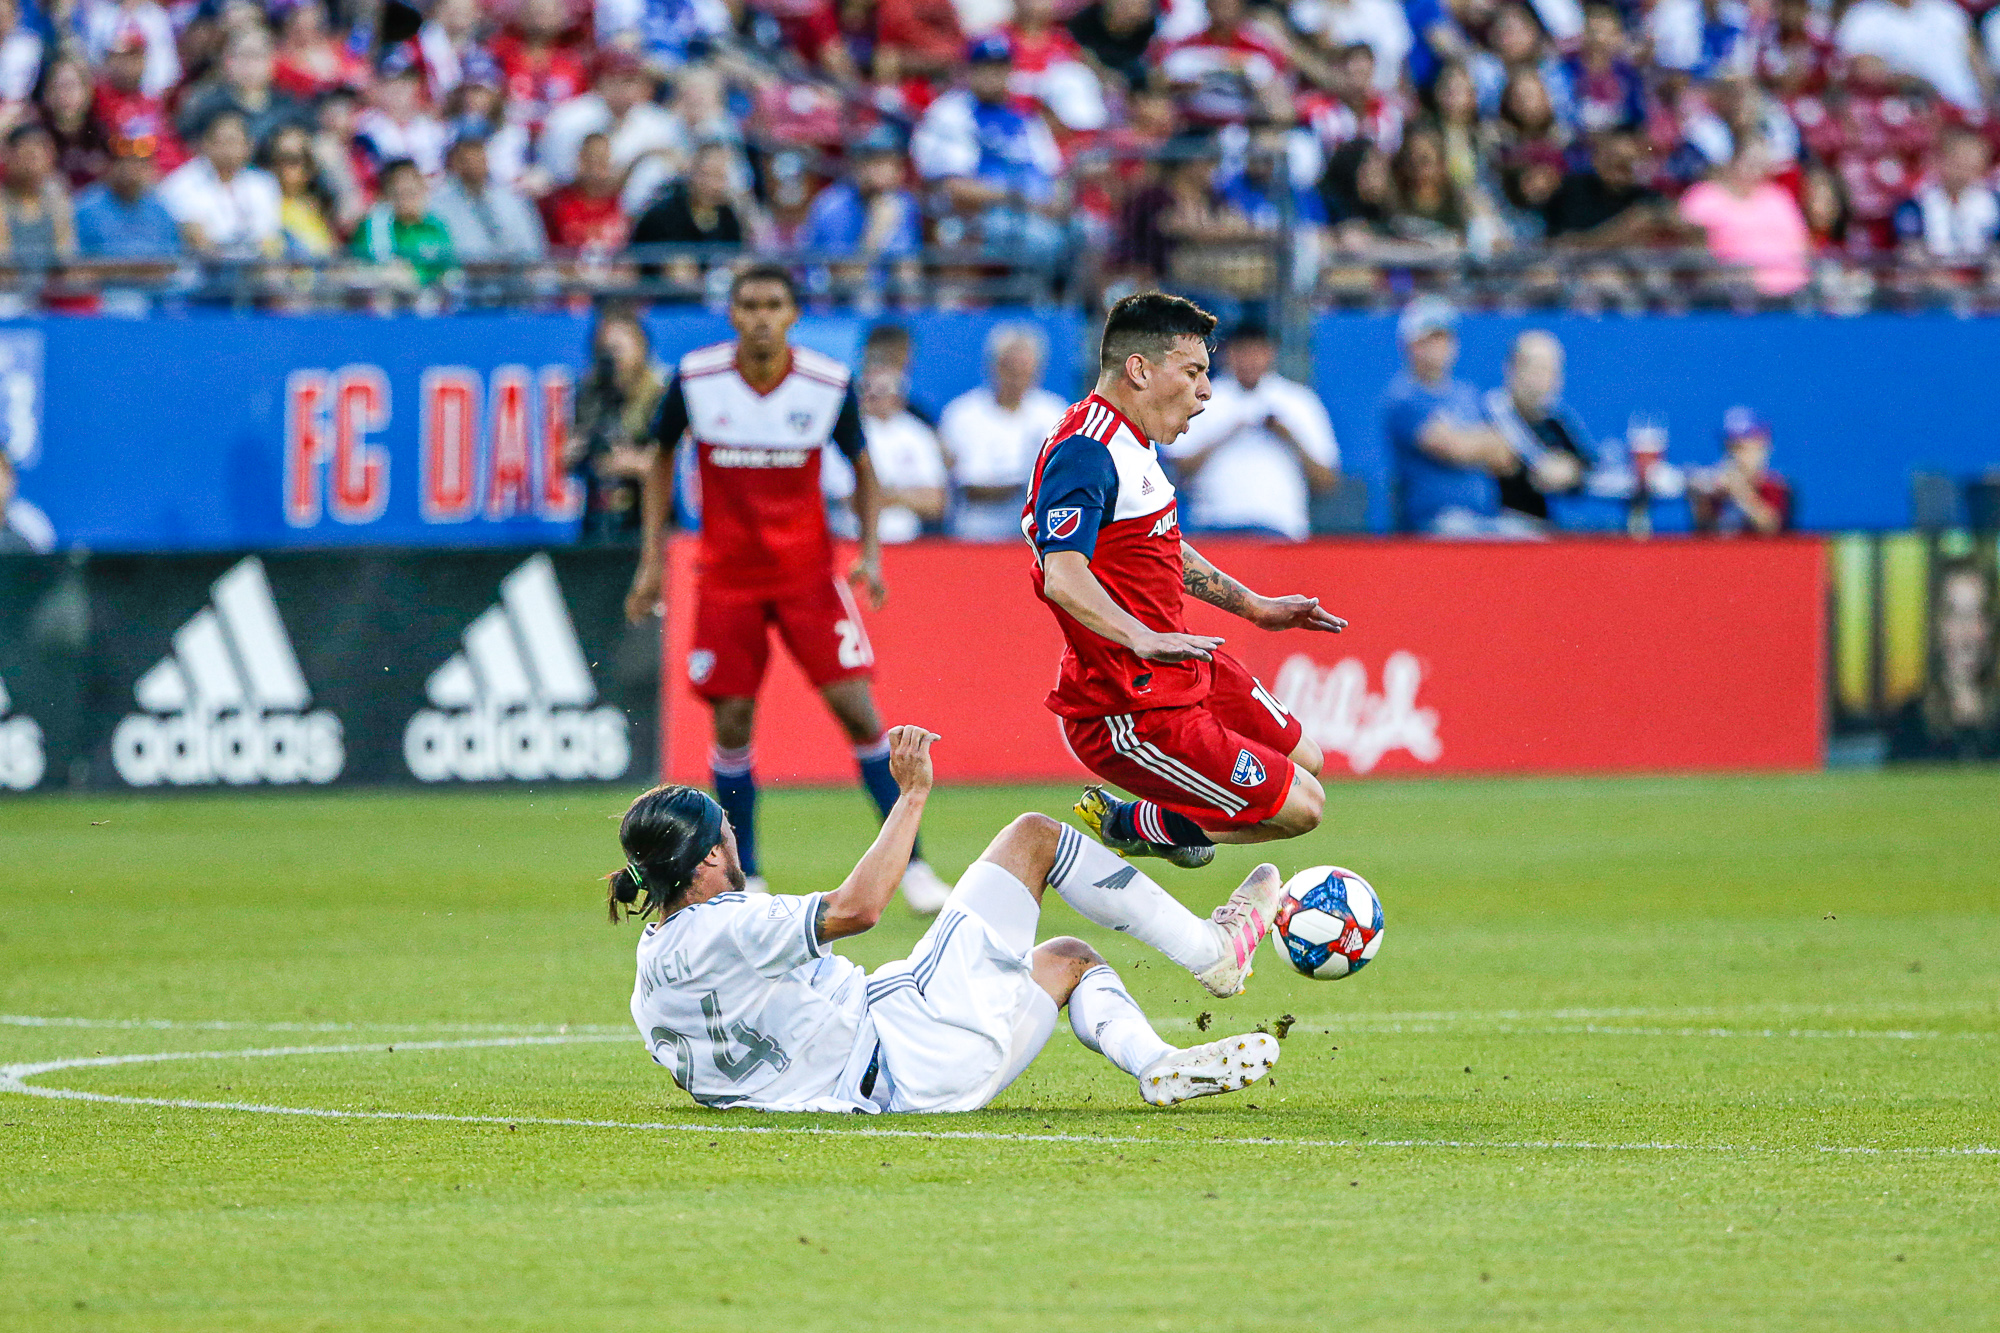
1062, 573
850, 918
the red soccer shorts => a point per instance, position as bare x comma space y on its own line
1225, 762
819, 622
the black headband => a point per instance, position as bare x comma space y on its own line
670, 880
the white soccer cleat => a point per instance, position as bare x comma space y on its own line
1240, 925
755, 884
924, 890
1228, 1065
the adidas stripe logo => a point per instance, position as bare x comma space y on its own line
229, 704
22, 759
516, 703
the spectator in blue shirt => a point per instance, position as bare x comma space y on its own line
869, 215
120, 217
1253, 188
1448, 458
993, 163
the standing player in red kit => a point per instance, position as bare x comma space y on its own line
759, 412
1163, 713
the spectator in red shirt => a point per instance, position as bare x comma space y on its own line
584, 215
1876, 137
1229, 73
310, 59
539, 73
123, 109
1742, 494
1049, 68
924, 34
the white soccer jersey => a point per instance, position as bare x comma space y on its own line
738, 998
726, 414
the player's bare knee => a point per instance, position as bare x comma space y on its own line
1060, 963
1304, 806
735, 722
1026, 849
853, 706
1307, 755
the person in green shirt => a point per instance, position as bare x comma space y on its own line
403, 227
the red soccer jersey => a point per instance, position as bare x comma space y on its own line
536, 79
763, 519
1098, 489
578, 221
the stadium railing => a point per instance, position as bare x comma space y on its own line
1266, 271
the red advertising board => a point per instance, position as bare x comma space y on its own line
1564, 657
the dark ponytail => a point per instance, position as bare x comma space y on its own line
665, 834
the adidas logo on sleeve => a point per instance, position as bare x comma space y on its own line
516, 702
22, 759
229, 704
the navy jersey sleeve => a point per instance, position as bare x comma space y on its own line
670, 420
1079, 491
847, 435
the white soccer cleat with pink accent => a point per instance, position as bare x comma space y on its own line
1228, 1065
1240, 926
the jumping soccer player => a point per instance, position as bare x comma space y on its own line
759, 411
1165, 714
740, 996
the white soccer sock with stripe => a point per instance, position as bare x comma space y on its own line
1108, 1020
1106, 890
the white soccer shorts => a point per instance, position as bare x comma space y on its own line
961, 1017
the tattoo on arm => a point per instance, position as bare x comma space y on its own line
819, 921
1206, 583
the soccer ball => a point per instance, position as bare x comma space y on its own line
1329, 923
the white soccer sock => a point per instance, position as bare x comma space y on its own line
1108, 1020
1106, 890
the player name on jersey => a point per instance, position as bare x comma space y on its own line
758, 452
728, 456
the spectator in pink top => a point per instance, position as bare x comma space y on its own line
1751, 221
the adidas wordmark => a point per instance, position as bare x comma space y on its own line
229, 704
22, 759
516, 703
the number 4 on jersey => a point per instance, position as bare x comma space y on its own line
758, 1049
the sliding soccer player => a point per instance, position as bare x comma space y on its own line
742, 998
1165, 714
759, 411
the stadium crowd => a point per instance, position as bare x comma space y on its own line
1223, 148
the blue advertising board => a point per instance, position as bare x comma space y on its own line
256, 432
1855, 404
211, 433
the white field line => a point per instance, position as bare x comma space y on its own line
223, 1025
1572, 1021
13, 1078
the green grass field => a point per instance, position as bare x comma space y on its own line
1690, 1053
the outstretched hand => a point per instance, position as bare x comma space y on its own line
1177, 647
1296, 612
910, 758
